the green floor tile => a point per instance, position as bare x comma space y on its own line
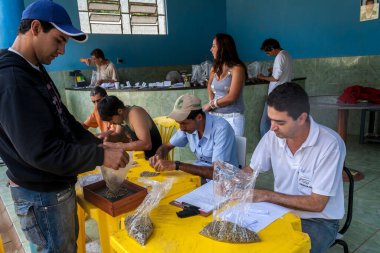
372, 245
357, 234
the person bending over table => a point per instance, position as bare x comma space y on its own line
140, 133
106, 128
105, 69
41, 143
307, 161
211, 138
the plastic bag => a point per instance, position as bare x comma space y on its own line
206, 68
265, 66
115, 179
254, 69
196, 74
94, 78
139, 226
201, 73
229, 181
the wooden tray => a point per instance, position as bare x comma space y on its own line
115, 207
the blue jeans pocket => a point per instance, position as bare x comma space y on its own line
29, 224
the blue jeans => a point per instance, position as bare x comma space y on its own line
322, 233
265, 121
48, 219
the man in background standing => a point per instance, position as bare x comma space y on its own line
105, 69
281, 72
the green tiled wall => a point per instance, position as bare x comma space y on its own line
329, 76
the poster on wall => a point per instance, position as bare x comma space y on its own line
369, 10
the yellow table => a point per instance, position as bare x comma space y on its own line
172, 234
108, 225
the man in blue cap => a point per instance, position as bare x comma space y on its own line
41, 143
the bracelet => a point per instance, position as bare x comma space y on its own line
216, 103
210, 103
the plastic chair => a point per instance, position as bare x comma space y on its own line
241, 144
166, 128
339, 238
1, 245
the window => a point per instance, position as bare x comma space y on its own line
122, 16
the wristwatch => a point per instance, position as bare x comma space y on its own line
177, 163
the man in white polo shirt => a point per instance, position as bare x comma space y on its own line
307, 161
282, 72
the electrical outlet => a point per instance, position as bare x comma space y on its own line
119, 60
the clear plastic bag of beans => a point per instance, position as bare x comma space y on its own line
236, 186
138, 225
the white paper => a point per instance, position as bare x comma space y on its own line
254, 216
202, 197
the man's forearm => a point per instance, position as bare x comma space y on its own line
311, 203
203, 171
163, 150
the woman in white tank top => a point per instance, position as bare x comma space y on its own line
225, 86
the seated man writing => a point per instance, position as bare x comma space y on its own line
106, 128
307, 161
210, 138
140, 133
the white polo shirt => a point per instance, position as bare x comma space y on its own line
282, 70
315, 167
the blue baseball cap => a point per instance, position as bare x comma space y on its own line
55, 14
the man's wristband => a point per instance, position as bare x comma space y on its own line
177, 163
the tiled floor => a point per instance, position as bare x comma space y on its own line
363, 236
9, 237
